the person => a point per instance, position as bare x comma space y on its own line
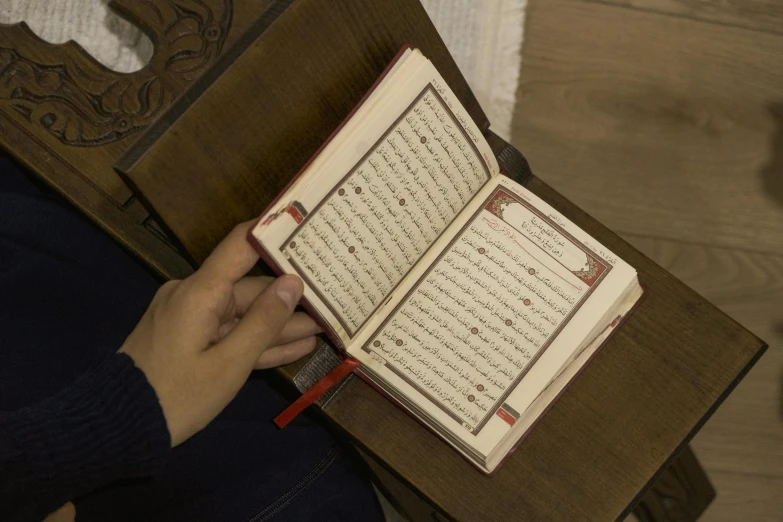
121, 399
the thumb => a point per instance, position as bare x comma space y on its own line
263, 322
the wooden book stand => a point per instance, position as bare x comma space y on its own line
236, 98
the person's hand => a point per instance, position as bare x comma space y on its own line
202, 336
66, 513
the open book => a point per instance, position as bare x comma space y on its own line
465, 298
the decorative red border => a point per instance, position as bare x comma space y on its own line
596, 266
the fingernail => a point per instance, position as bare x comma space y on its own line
289, 289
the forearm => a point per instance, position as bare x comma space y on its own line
107, 425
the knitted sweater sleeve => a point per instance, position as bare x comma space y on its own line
107, 425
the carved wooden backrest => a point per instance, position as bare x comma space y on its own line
244, 129
68, 118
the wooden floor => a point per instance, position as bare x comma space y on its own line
664, 120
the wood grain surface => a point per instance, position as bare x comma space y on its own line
677, 116
245, 135
741, 447
759, 15
664, 119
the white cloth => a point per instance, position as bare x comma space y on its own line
485, 39
484, 36
108, 37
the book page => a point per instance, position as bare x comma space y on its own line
354, 242
360, 241
509, 285
492, 302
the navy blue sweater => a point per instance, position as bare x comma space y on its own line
71, 419
79, 422
105, 426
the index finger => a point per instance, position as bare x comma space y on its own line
232, 258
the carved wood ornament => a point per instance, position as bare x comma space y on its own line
68, 118
81, 103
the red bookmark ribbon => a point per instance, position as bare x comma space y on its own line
315, 393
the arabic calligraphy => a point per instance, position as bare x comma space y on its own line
474, 322
380, 220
